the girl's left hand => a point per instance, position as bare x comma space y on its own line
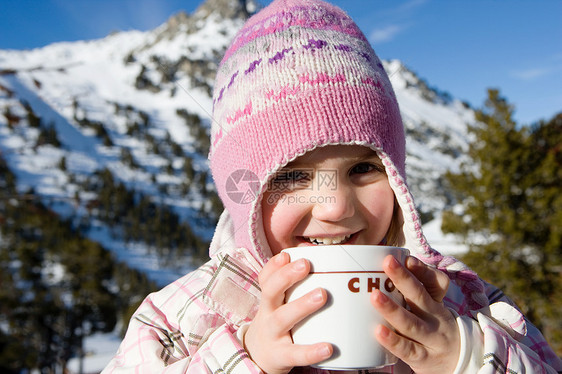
427, 336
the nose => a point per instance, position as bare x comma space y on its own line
333, 204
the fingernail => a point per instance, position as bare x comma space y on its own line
281, 257
412, 261
324, 351
383, 331
393, 263
381, 297
300, 265
316, 296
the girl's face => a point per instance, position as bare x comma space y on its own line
336, 194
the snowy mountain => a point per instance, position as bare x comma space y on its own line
112, 136
137, 104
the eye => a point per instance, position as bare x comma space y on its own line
290, 179
364, 173
366, 167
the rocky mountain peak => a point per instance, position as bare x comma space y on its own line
227, 9
219, 10
176, 21
227, 16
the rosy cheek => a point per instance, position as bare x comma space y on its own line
380, 205
278, 226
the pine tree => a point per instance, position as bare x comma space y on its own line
51, 295
512, 209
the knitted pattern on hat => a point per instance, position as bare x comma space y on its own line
301, 75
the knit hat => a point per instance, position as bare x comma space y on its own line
300, 75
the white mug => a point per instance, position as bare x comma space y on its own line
348, 273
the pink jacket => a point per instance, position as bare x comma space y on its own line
196, 325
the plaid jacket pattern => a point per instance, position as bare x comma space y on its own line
192, 326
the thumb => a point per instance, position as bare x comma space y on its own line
434, 280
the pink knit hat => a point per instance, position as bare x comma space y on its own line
300, 75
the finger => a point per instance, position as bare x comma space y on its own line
405, 322
435, 281
288, 315
274, 286
305, 355
275, 263
405, 349
413, 290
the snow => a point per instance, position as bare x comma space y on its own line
446, 244
99, 349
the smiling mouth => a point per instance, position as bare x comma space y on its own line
328, 241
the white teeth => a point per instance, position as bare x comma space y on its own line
328, 241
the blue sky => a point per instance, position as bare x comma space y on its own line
462, 47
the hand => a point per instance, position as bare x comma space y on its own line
427, 336
268, 339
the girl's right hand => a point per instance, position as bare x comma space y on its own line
268, 339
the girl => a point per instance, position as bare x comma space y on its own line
304, 113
